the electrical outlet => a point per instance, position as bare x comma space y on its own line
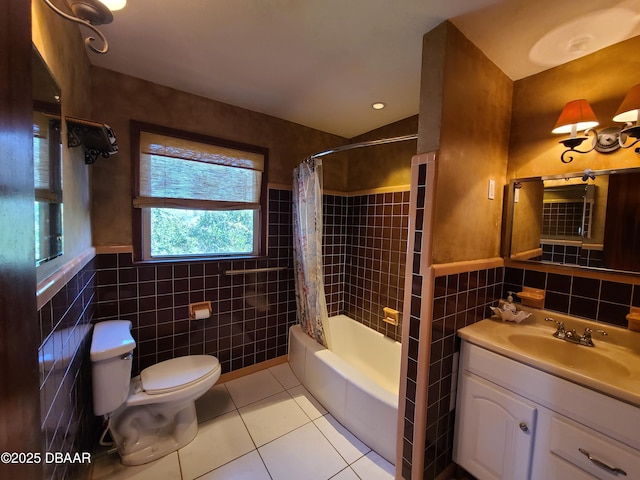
492, 189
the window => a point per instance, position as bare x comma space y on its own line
47, 179
196, 196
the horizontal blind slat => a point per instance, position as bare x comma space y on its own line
188, 204
174, 147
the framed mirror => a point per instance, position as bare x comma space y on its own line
47, 162
587, 219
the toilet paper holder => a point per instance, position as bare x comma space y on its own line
199, 310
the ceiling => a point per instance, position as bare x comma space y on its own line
322, 63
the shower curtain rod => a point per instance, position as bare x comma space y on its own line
370, 143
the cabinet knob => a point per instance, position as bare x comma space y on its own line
523, 426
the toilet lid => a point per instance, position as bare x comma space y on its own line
170, 375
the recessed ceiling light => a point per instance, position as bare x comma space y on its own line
378, 105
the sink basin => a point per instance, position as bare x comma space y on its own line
576, 357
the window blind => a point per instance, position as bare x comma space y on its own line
41, 151
180, 173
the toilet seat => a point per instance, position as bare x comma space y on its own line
177, 373
176, 380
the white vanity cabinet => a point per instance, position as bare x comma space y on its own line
516, 422
497, 430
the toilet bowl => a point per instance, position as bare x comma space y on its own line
152, 414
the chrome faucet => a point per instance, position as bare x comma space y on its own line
559, 333
586, 336
572, 336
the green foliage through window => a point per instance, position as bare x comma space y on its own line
201, 232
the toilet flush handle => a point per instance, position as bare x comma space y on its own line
127, 356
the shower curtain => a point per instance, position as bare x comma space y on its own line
307, 247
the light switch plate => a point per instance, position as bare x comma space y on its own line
492, 189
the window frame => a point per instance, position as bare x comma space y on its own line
140, 240
51, 197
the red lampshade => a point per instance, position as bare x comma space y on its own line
628, 110
578, 113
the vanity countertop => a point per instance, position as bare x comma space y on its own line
612, 366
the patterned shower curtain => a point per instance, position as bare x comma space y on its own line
307, 247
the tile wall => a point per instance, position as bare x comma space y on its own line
68, 423
459, 300
594, 299
565, 219
334, 250
377, 230
364, 250
413, 342
570, 255
251, 312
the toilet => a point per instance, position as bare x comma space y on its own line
153, 414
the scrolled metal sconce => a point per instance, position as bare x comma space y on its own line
90, 13
577, 115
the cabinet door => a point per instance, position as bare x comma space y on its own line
494, 431
558, 469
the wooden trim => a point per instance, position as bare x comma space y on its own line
136, 127
279, 186
51, 285
526, 255
371, 191
258, 367
136, 214
452, 268
424, 341
100, 249
574, 271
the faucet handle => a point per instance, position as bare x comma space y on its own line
586, 336
559, 333
589, 332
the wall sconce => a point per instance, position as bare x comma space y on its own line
577, 115
629, 112
90, 13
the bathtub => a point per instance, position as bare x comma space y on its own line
356, 379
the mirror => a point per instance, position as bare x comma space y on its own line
588, 219
47, 162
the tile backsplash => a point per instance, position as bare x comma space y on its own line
595, 299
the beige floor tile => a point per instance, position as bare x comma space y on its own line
307, 402
285, 375
254, 387
346, 474
302, 454
272, 417
247, 467
373, 467
219, 441
110, 468
215, 402
342, 439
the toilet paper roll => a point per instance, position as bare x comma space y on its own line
202, 313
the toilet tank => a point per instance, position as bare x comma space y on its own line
111, 360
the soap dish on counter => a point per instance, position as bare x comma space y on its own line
508, 316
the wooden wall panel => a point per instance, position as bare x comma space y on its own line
622, 226
19, 335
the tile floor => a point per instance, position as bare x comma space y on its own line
264, 426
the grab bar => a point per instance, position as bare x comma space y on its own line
255, 270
